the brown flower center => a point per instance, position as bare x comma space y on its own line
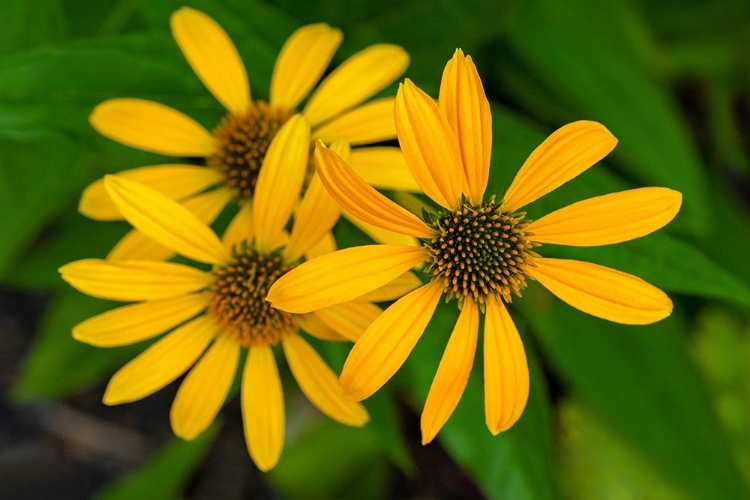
243, 141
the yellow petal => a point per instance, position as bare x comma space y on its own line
607, 219
384, 167
166, 221
318, 328
213, 57
301, 63
263, 408
204, 390
357, 79
506, 373
320, 384
280, 180
316, 216
562, 156
133, 280
362, 200
467, 109
603, 292
380, 235
452, 374
130, 324
371, 122
241, 228
151, 126
173, 181
326, 245
137, 246
161, 363
429, 145
342, 276
395, 289
350, 319
384, 347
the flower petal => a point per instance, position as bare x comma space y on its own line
608, 219
371, 122
262, 408
467, 109
133, 280
152, 127
429, 145
384, 167
506, 373
133, 323
173, 181
342, 276
241, 228
562, 156
380, 235
326, 245
362, 200
205, 388
395, 289
213, 57
165, 221
384, 347
137, 246
280, 180
357, 79
452, 374
350, 319
301, 62
320, 384
318, 328
602, 291
161, 363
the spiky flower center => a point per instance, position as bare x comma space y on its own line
480, 250
242, 143
239, 297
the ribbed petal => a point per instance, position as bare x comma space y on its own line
429, 145
320, 384
137, 246
357, 79
384, 168
350, 319
566, 153
607, 219
326, 245
362, 200
506, 373
467, 109
152, 127
452, 374
204, 390
371, 122
602, 291
173, 181
130, 324
318, 328
166, 221
301, 63
384, 347
342, 276
395, 289
161, 363
280, 180
263, 408
380, 235
213, 57
133, 280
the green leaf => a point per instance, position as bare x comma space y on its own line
166, 474
33, 23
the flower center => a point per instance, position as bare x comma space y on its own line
243, 141
480, 250
239, 297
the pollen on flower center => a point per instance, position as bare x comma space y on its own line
239, 297
242, 143
480, 250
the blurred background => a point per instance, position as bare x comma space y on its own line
660, 411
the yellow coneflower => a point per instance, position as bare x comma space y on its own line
234, 151
217, 313
478, 251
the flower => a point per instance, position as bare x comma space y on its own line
235, 149
478, 251
215, 314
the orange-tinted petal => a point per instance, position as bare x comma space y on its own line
383, 167
395, 289
350, 319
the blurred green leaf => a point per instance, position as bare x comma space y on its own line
29, 24
167, 473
